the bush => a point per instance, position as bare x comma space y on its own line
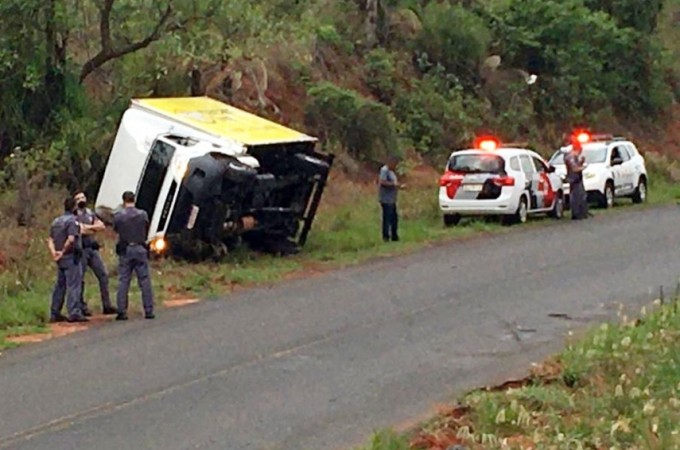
437, 118
364, 127
453, 37
380, 74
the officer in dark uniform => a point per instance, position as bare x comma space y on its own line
65, 247
132, 226
89, 225
577, 193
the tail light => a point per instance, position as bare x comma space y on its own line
451, 181
504, 181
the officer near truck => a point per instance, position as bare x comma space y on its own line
65, 247
132, 226
89, 226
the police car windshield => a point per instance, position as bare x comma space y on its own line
593, 155
477, 163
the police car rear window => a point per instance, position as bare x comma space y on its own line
477, 163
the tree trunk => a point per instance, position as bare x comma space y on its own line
371, 22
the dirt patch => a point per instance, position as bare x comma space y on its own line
55, 330
175, 303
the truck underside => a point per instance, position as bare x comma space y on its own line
222, 201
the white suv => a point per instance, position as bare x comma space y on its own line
508, 182
614, 169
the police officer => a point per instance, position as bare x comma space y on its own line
89, 225
65, 247
575, 163
132, 226
387, 196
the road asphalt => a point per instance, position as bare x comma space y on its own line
320, 363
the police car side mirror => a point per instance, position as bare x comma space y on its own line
551, 169
617, 161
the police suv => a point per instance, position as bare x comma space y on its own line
497, 180
614, 169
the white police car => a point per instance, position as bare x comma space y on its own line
496, 180
614, 169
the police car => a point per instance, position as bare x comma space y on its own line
499, 180
615, 169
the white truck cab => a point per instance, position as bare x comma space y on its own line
208, 173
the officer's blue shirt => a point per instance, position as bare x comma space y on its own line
572, 162
62, 227
132, 225
86, 216
387, 194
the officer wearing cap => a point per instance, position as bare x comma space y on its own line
65, 246
575, 163
132, 226
89, 225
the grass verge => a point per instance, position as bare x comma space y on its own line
345, 232
618, 388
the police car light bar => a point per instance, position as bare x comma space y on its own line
487, 143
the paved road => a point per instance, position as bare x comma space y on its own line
319, 363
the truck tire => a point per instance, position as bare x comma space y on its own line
640, 194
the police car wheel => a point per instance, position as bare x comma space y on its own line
607, 197
640, 195
520, 216
558, 210
451, 220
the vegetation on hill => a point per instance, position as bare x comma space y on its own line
369, 76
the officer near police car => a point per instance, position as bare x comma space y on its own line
575, 163
89, 226
132, 226
64, 244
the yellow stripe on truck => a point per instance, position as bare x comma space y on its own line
223, 120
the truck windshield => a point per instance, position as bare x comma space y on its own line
477, 163
155, 171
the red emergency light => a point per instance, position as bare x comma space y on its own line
487, 143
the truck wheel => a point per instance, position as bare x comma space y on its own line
451, 220
640, 194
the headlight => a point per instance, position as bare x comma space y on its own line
159, 245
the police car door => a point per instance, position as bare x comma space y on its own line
545, 193
627, 171
616, 163
532, 179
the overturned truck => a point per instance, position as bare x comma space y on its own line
210, 176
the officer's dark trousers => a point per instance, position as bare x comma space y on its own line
68, 285
91, 258
578, 200
390, 221
135, 260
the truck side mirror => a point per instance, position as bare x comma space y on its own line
617, 161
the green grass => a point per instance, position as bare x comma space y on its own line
619, 387
342, 235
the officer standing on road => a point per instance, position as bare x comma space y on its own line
89, 225
132, 226
65, 247
575, 163
387, 196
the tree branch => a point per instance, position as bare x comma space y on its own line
108, 51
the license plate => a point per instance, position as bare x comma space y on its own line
472, 187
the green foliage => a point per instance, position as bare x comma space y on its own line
361, 125
453, 37
380, 74
436, 116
